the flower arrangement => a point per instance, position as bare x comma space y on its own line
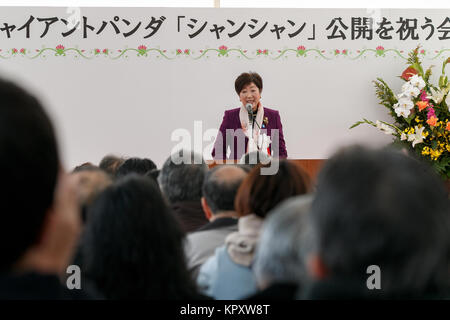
421, 113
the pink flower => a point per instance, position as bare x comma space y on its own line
59, 47
344, 51
22, 50
265, 51
223, 48
301, 48
186, 51
105, 51
430, 113
201, 51
259, 51
423, 95
422, 51
379, 48
142, 47
337, 51
97, 50
179, 51
14, 50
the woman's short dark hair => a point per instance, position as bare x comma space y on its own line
245, 79
133, 245
259, 193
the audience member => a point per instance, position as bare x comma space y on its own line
181, 179
90, 181
133, 246
219, 191
110, 164
135, 165
40, 217
228, 274
380, 228
279, 265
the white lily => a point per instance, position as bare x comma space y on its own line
436, 95
409, 90
385, 128
402, 112
403, 107
417, 136
403, 136
417, 81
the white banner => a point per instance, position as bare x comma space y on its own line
142, 81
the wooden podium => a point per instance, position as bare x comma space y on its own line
311, 166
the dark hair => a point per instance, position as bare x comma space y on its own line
259, 193
154, 173
133, 246
29, 165
219, 190
110, 163
135, 165
181, 181
245, 79
380, 207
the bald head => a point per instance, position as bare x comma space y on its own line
220, 187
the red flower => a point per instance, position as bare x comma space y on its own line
142, 47
265, 51
259, 51
179, 51
14, 50
105, 51
301, 48
186, 51
408, 73
223, 48
22, 50
59, 47
97, 50
379, 48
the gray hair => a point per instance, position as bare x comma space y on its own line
280, 253
181, 177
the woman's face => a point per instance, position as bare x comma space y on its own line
250, 94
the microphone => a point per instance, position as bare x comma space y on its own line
248, 106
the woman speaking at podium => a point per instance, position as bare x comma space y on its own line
251, 127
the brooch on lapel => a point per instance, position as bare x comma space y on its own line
265, 122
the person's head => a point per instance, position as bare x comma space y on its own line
110, 164
280, 256
90, 181
133, 246
249, 86
39, 222
85, 166
219, 190
382, 208
258, 194
135, 165
181, 177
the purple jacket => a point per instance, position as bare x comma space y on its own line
231, 121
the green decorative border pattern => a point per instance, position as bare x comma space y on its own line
222, 51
